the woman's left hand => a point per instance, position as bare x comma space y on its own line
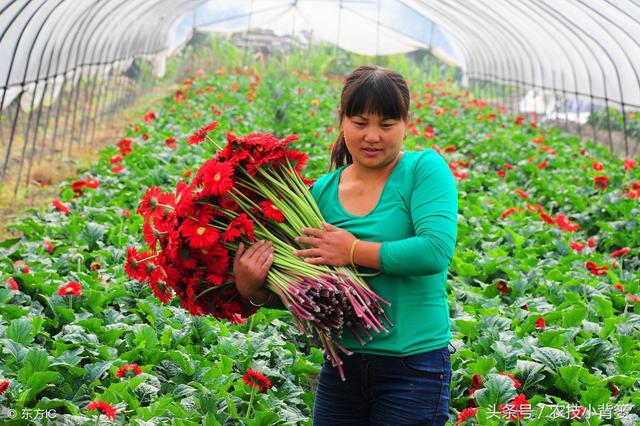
330, 246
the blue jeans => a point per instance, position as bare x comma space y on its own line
385, 391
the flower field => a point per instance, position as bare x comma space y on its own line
543, 289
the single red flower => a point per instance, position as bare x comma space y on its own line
271, 211
547, 218
106, 409
516, 383
60, 206
476, 381
460, 175
614, 389
502, 287
542, 165
149, 202
508, 212
149, 117
201, 134
72, 287
216, 178
514, 410
239, 226
601, 182
620, 252
507, 166
521, 193
49, 246
619, 287
538, 140
11, 282
629, 164
22, 266
577, 413
199, 234
170, 142
128, 369
4, 385
540, 323
117, 169
597, 166
450, 148
563, 223
578, 246
256, 379
631, 297
126, 213
592, 242
124, 145
502, 173
466, 414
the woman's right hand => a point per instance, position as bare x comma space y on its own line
250, 267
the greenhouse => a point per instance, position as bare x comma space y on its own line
320, 212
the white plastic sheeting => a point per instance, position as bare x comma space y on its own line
587, 49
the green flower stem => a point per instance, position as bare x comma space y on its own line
253, 392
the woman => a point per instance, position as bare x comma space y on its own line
393, 212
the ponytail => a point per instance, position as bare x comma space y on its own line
339, 153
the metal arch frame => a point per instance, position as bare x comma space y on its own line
499, 62
79, 63
468, 57
624, 115
604, 78
105, 48
562, 47
13, 56
54, 76
99, 63
132, 41
26, 70
519, 41
66, 69
496, 37
483, 62
471, 59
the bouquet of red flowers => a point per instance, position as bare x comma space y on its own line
252, 189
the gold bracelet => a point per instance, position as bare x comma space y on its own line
352, 252
257, 305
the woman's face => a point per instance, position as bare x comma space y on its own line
373, 141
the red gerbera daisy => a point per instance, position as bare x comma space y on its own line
159, 286
239, 226
11, 282
563, 223
129, 369
4, 385
271, 212
72, 287
521, 193
256, 379
60, 206
466, 414
577, 246
150, 200
199, 234
508, 212
106, 409
620, 252
201, 134
215, 177
540, 323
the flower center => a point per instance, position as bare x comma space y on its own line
201, 230
217, 176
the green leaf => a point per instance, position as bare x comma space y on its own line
552, 358
497, 390
21, 331
146, 338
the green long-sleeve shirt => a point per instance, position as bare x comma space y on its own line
415, 219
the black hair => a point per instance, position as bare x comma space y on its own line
370, 89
